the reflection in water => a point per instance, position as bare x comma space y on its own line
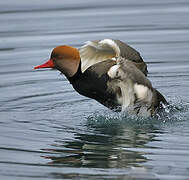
104, 146
109, 139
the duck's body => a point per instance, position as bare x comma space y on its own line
118, 93
95, 83
88, 70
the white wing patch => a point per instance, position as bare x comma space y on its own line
97, 51
113, 71
111, 44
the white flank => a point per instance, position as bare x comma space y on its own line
134, 98
128, 96
94, 52
143, 93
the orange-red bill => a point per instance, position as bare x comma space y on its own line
48, 64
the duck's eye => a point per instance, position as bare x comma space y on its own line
56, 56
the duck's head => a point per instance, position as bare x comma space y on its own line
64, 58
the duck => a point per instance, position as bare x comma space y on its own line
110, 72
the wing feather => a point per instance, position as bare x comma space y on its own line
97, 51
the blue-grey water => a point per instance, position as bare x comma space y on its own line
48, 131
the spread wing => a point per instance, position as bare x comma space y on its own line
97, 51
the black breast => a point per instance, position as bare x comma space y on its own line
93, 83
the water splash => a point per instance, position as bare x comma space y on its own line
176, 111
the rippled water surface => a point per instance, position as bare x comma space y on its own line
48, 131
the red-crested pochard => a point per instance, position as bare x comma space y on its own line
109, 71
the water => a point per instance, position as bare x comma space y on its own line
48, 131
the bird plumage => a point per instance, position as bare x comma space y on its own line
109, 71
